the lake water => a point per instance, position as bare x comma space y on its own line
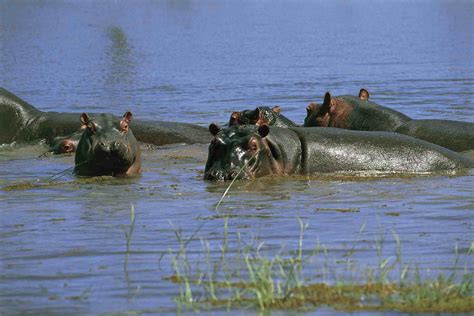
63, 246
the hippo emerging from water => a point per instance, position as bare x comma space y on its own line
66, 144
22, 122
247, 152
107, 147
358, 113
261, 115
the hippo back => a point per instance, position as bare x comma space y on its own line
454, 135
369, 116
15, 115
335, 150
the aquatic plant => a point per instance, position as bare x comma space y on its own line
250, 277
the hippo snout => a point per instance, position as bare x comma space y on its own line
118, 147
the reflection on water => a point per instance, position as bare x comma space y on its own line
121, 70
67, 248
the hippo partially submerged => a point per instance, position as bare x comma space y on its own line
358, 113
22, 122
66, 144
247, 152
261, 115
107, 147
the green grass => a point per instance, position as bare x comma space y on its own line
249, 277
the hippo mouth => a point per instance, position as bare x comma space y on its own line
220, 175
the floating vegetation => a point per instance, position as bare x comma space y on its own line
28, 185
248, 277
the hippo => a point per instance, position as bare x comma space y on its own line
358, 113
249, 152
107, 147
66, 144
261, 115
22, 122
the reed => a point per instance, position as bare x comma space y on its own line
250, 277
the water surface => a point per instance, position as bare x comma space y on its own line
63, 246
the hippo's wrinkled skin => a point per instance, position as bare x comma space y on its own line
22, 122
261, 115
247, 152
107, 147
358, 113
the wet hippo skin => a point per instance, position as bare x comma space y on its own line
358, 113
107, 147
261, 115
22, 122
248, 152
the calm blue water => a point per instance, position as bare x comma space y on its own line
63, 247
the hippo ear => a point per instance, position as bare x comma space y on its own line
128, 116
263, 130
214, 129
234, 118
327, 99
363, 94
85, 119
276, 109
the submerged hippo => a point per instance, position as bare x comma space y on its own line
247, 152
261, 115
22, 122
358, 113
107, 147
66, 144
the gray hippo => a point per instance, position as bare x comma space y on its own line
107, 147
66, 144
247, 152
261, 115
22, 122
358, 113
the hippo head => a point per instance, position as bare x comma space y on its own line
260, 116
241, 152
67, 144
318, 115
107, 146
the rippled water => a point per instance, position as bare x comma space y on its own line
63, 246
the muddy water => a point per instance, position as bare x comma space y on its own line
63, 243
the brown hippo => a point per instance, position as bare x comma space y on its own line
358, 113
